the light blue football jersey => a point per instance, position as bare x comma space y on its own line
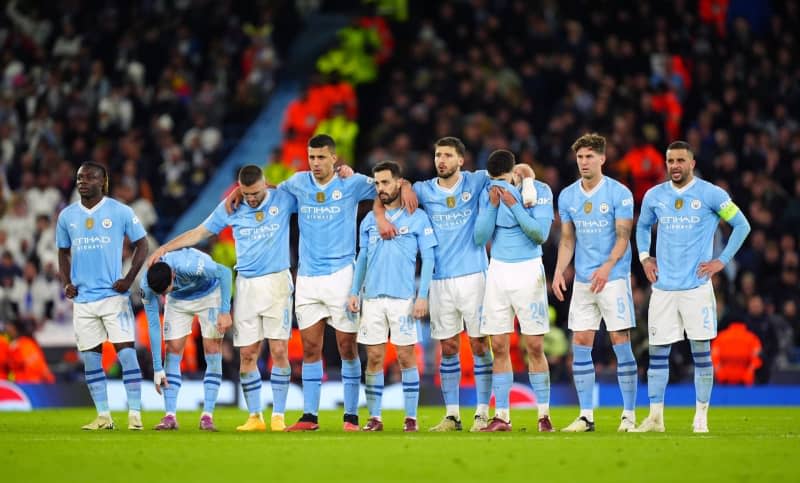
509, 242
261, 234
195, 274
687, 220
95, 237
594, 215
391, 264
453, 213
327, 219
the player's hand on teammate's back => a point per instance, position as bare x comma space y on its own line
353, 304
70, 291
494, 195
650, 269
233, 200
559, 286
508, 198
224, 322
386, 229
122, 285
160, 380
708, 269
420, 308
600, 277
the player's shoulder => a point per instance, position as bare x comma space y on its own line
419, 215
656, 190
618, 189
369, 218
540, 185
355, 179
568, 190
69, 210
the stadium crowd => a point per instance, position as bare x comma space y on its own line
153, 94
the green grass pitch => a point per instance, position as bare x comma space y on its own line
745, 444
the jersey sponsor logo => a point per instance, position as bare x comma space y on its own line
591, 223
259, 232
320, 197
106, 223
90, 242
273, 210
695, 204
89, 223
259, 216
320, 210
336, 195
604, 208
428, 231
466, 196
678, 203
451, 201
587, 207
451, 218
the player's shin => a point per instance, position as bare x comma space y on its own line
450, 374
584, 375
173, 370
211, 382
96, 380
628, 377
131, 378
410, 379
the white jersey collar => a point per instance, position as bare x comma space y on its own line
93, 208
680, 191
594, 190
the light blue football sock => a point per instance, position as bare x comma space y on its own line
96, 379
374, 392
410, 379
172, 368
279, 381
251, 387
627, 375
212, 381
703, 369
312, 384
351, 379
131, 377
583, 375
450, 375
658, 373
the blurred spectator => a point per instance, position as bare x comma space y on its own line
736, 355
26, 361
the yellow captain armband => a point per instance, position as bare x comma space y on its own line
728, 210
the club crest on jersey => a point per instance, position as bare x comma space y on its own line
679, 203
106, 223
587, 207
89, 223
695, 204
259, 216
403, 230
336, 195
273, 210
320, 197
466, 196
604, 208
451, 201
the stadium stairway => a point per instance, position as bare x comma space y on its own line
265, 132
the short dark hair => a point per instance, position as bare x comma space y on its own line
681, 145
322, 140
500, 162
250, 174
593, 141
452, 142
390, 166
103, 172
159, 276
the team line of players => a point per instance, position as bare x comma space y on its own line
375, 300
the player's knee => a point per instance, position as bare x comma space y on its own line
123, 345
479, 345
348, 349
499, 347
212, 346
406, 357
248, 356
535, 346
451, 346
278, 352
